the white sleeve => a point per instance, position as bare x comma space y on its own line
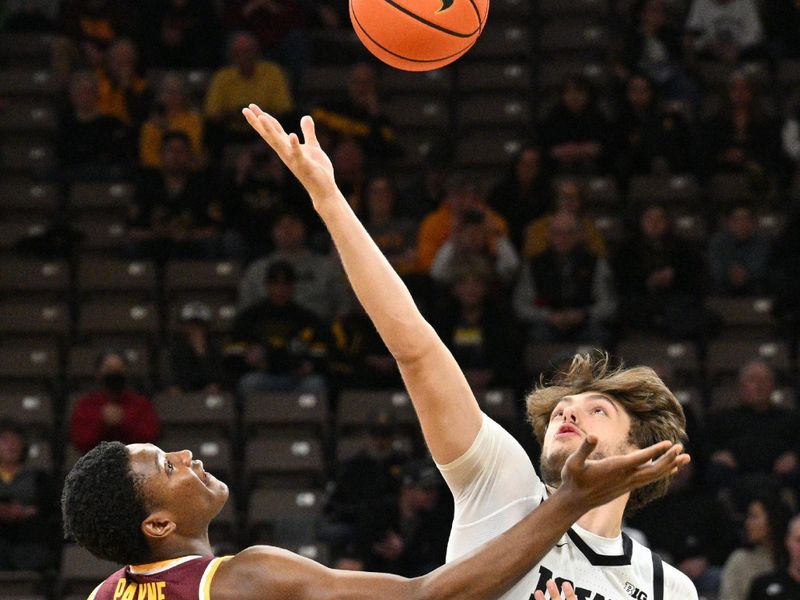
677, 586
492, 474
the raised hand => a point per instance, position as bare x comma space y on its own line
307, 161
596, 482
569, 593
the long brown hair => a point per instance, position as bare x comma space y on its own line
655, 413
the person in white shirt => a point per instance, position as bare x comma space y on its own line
492, 480
724, 29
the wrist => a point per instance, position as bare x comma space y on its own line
327, 204
570, 502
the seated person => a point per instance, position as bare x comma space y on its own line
195, 359
285, 345
113, 411
172, 215
124, 93
724, 30
784, 582
566, 293
27, 523
738, 254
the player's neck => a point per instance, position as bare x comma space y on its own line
606, 520
183, 546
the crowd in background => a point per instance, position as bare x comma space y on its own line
496, 264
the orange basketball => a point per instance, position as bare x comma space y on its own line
418, 35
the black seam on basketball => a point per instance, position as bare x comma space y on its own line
354, 17
404, 10
477, 14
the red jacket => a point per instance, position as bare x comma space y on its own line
139, 421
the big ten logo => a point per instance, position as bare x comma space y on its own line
634, 592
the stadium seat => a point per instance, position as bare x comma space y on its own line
27, 155
285, 460
14, 230
33, 409
502, 41
417, 144
39, 319
725, 357
689, 225
113, 322
744, 316
505, 110
726, 188
552, 73
357, 407
489, 147
670, 189
223, 312
24, 279
323, 82
574, 36
28, 49
609, 223
81, 572
727, 396
771, 223
416, 110
539, 356
101, 236
677, 358
437, 83
348, 446
511, 9
28, 82
101, 198
500, 405
186, 276
284, 517
198, 413
25, 359
213, 450
511, 76
22, 115
28, 199
280, 413
582, 8
118, 279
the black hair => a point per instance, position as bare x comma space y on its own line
778, 516
103, 506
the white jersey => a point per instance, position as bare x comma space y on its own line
495, 485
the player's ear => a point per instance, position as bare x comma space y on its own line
158, 526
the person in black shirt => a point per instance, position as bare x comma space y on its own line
784, 583
195, 362
285, 345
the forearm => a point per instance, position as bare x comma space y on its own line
493, 568
379, 289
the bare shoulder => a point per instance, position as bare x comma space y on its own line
263, 572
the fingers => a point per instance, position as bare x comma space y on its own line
552, 588
586, 448
268, 128
309, 131
645, 455
569, 593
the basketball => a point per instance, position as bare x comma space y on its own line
418, 35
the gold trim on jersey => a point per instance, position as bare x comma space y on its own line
94, 592
205, 581
161, 566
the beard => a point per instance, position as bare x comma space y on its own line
552, 463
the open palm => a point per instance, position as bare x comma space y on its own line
307, 161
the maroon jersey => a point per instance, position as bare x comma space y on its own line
185, 578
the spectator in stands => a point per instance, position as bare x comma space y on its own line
480, 332
784, 272
255, 192
567, 197
741, 137
782, 23
350, 162
364, 481
764, 532
113, 411
195, 359
791, 138
359, 115
280, 26
90, 27
660, 279
691, 529
27, 16
173, 214
653, 46
124, 92
651, 139
566, 293
737, 254
472, 238
359, 358
394, 235
90, 143
181, 34
755, 437
462, 197
575, 132
171, 112
320, 285
428, 187
784, 582
724, 30
26, 506
286, 346
409, 536
248, 79
523, 194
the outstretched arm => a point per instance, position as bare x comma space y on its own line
447, 409
262, 572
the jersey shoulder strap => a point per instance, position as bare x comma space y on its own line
658, 576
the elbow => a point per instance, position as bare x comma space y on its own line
413, 349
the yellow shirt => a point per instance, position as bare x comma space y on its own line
113, 99
229, 93
152, 134
536, 238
